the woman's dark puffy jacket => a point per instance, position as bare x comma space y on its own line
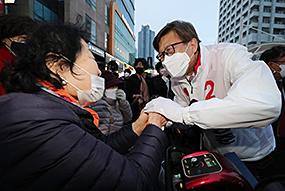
45, 145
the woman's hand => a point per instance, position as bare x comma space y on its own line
139, 125
156, 119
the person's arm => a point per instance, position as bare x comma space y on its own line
126, 112
102, 109
253, 99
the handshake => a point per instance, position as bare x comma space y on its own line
169, 109
158, 112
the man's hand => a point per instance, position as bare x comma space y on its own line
166, 107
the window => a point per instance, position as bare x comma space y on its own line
43, 13
266, 20
267, 9
107, 11
91, 28
106, 41
278, 31
265, 29
92, 4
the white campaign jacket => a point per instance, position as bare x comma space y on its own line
237, 98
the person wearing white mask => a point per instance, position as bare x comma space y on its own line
126, 77
113, 109
49, 138
221, 90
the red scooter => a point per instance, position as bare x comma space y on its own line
203, 170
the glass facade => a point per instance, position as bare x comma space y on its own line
128, 10
91, 28
92, 4
51, 11
124, 42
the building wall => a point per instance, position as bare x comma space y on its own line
105, 18
266, 15
127, 8
27, 8
122, 40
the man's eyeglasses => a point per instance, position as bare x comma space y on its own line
169, 50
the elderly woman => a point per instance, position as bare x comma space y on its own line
113, 109
49, 139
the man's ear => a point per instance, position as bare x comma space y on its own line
271, 65
194, 44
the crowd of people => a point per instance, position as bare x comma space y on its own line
67, 125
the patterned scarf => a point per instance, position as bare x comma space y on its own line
66, 96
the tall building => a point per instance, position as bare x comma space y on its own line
251, 22
111, 29
145, 39
121, 31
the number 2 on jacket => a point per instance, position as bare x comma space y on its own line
209, 88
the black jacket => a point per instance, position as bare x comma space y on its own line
47, 143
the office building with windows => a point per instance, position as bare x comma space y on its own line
110, 29
145, 39
121, 30
251, 22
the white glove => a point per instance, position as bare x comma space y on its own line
121, 96
166, 107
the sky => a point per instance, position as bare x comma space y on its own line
203, 14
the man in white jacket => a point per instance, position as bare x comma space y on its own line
237, 98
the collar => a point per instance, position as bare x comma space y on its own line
198, 62
66, 96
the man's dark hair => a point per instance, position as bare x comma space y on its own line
158, 66
47, 42
184, 30
143, 61
127, 70
14, 25
273, 54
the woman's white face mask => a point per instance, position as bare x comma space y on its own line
111, 93
88, 97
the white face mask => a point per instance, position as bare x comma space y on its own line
162, 71
111, 93
177, 64
282, 72
127, 74
88, 97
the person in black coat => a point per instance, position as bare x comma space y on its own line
162, 83
48, 137
275, 59
139, 88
